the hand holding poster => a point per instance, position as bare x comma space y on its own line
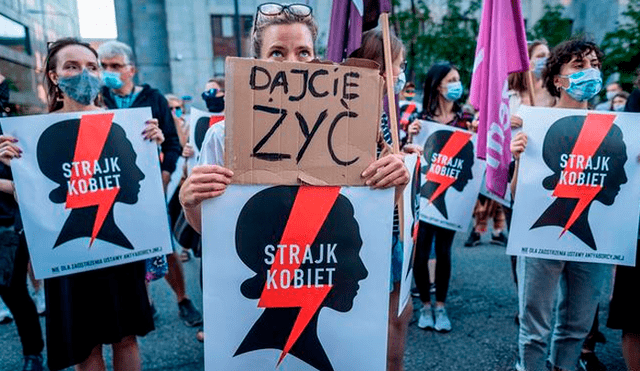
577, 176
296, 275
89, 190
291, 122
451, 175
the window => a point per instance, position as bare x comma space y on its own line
14, 35
224, 36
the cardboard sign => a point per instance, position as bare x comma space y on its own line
199, 123
288, 123
89, 190
577, 194
451, 175
411, 201
294, 276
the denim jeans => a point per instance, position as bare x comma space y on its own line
578, 288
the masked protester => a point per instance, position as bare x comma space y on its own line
213, 95
73, 82
572, 75
116, 59
442, 91
612, 90
619, 101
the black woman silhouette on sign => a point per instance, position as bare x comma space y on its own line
261, 223
57, 146
561, 140
434, 144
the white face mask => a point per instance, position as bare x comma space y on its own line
399, 85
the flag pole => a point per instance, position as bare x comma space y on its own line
391, 97
530, 87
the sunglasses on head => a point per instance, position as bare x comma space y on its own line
275, 9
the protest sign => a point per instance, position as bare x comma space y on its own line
451, 175
288, 123
504, 201
89, 190
199, 123
578, 176
294, 275
411, 201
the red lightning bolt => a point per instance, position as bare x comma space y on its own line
215, 119
453, 146
92, 136
309, 211
594, 130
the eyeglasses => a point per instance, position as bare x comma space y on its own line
275, 9
403, 66
112, 66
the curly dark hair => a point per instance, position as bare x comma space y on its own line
563, 53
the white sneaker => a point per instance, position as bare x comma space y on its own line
425, 321
5, 314
41, 305
442, 321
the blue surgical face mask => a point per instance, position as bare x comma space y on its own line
611, 95
178, 112
82, 88
112, 80
538, 67
400, 83
454, 91
619, 107
584, 85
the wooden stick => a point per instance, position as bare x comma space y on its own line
530, 87
388, 61
393, 113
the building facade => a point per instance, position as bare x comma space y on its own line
25, 28
180, 45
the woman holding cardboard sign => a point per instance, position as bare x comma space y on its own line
281, 33
104, 306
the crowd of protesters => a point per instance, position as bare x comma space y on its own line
79, 78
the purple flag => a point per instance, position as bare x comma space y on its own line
349, 19
501, 50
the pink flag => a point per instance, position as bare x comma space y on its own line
501, 50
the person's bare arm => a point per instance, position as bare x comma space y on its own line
205, 181
518, 145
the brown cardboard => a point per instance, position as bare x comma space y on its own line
259, 151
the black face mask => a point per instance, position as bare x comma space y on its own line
214, 104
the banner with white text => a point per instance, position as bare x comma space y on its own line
89, 190
577, 194
451, 175
294, 276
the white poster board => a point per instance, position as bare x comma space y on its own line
271, 303
89, 190
451, 175
199, 123
411, 199
577, 194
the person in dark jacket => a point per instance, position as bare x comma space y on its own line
118, 70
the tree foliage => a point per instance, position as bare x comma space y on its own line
452, 39
552, 26
622, 46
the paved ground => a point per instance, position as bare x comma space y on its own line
482, 303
